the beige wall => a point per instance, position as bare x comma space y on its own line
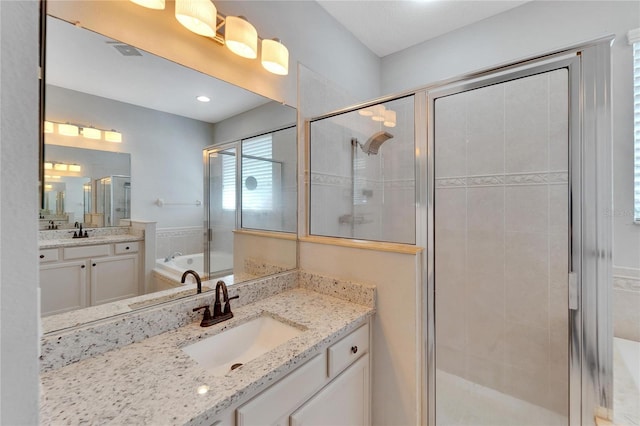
396, 335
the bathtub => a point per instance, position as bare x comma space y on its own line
221, 264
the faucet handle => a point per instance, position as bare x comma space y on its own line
207, 318
227, 306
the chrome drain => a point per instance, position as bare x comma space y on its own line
236, 365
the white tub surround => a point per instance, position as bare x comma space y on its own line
155, 382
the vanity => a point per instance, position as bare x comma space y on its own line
321, 375
81, 272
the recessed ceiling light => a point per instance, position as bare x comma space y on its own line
203, 98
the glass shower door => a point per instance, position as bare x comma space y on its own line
501, 228
221, 216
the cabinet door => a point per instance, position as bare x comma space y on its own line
344, 401
113, 278
63, 287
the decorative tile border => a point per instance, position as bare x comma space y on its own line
345, 181
626, 283
196, 231
541, 178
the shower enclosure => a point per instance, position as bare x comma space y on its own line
363, 162
508, 184
113, 199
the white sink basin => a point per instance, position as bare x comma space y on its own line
240, 344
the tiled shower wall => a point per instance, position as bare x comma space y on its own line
382, 206
501, 226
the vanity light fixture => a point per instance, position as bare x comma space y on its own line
366, 112
48, 166
112, 136
198, 16
275, 57
75, 168
378, 113
151, 4
68, 129
60, 167
201, 17
241, 37
91, 133
88, 132
203, 98
389, 118
48, 127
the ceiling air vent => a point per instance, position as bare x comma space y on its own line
125, 49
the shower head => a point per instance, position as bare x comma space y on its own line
374, 142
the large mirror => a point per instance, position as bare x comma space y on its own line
162, 129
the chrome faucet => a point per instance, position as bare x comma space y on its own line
172, 256
219, 314
196, 276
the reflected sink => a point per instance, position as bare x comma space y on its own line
239, 345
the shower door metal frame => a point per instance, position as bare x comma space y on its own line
590, 358
206, 155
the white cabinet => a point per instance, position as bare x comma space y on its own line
63, 287
114, 278
343, 402
81, 276
333, 388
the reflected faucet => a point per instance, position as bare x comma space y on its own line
172, 256
196, 276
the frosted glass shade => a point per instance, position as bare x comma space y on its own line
151, 4
198, 16
275, 57
366, 112
112, 136
48, 166
61, 167
389, 118
48, 127
241, 37
91, 133
378, 113
75, 168
68, 129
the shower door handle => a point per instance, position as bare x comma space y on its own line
573, 291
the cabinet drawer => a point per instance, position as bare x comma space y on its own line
347, 350
124, 248
280, 399
86, 251
48, 255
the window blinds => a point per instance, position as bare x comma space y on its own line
256, 163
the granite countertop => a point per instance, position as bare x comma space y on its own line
155, 382
92, 240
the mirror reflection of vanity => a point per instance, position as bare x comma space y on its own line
100, 83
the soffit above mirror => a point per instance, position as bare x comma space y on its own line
92, 63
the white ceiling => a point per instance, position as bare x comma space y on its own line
88, 62
388, 26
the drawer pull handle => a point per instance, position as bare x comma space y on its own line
82, 266
126, 248
93, 264
42, 256
354, 349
